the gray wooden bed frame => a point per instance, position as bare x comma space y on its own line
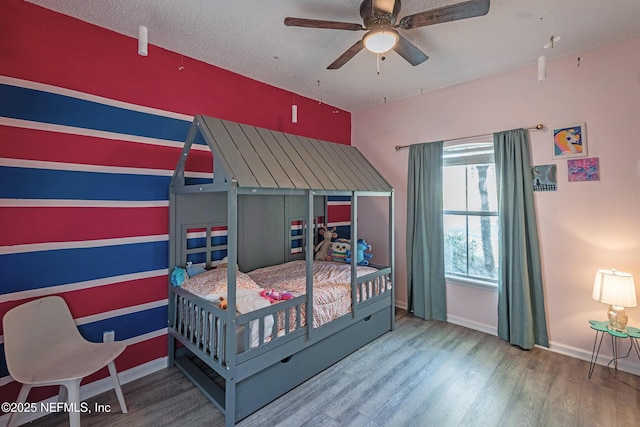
263, 182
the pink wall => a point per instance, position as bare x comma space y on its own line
584, 225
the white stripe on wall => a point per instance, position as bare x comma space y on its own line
81, 167
93, 98
203, 234
338, 223
147, 336
72, 130
52, 246
68, 203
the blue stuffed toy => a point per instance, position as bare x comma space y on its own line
178, 276
193, 271
362, 258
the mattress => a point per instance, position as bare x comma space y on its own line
331, 287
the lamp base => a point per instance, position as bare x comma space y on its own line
617, 319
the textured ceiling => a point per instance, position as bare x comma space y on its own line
248, 37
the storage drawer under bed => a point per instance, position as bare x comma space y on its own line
263, 387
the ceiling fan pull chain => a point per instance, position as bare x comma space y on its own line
378, 62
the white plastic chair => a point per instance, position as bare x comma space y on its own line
44, 347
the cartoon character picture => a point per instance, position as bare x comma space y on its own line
570, 141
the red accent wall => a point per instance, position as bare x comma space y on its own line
38, 45
43, 46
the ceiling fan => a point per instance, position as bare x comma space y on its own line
380, 21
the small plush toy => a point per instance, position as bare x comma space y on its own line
322, 248
193, 271
178, 276
275, 296
340, 250
362, 258
223, 303
286, 296
267, 295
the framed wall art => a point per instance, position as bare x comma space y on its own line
545, 178
583, 169
570, 141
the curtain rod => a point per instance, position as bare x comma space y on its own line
536, 127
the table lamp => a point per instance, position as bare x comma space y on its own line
618, 290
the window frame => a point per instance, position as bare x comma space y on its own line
480, 152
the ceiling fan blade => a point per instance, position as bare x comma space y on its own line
384, 5
409, 51
347, 55
317, 23
464, 10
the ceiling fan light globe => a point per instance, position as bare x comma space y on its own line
380, 41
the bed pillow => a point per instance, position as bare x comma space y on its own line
215, 282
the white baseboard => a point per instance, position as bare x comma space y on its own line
578, 353
603, 358
471, 324
402, 305
93, 389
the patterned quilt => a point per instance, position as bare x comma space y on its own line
331, 287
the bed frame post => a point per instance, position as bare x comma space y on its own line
230, 350
309, 262
354, 255
392, 260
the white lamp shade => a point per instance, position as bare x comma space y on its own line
380, 41
143, 40
614, 288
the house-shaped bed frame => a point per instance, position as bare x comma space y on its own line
269, 190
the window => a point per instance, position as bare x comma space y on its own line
470, 211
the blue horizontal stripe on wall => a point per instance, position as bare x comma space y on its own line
199, 139
128, 325
339, 198
344, 231
201, 257
27, 183
198, 181
46, 107
37, 270
200, 242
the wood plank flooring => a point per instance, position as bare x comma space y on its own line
425, 373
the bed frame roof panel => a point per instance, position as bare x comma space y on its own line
260, 158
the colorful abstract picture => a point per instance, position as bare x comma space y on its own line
570, 141
544, 178
583, 169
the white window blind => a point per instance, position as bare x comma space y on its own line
468, 151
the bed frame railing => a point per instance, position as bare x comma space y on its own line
203, 324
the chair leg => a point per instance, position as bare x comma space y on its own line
116, 386
22, 397
62, 394
73, 388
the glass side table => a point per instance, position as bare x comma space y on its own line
601, 327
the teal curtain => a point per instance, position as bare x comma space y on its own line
425, 244
521, 315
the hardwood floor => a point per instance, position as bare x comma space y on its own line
425, 373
